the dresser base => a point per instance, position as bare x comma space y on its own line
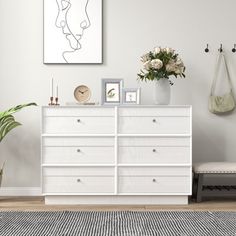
116, 200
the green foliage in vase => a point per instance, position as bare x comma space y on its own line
7, 120
161, 63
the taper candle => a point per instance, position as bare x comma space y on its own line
57, 92
51, 88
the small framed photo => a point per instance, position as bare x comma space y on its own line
131, 95
112, 91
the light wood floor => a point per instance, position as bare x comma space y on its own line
37, 204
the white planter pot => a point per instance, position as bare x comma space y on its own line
162, 92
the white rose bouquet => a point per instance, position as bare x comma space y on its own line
161, 63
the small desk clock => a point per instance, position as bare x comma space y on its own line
82, 93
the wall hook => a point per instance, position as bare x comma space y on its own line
234, 48
221, 48
207, 49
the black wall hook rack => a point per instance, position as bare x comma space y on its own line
220, 49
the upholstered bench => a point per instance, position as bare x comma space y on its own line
216, 168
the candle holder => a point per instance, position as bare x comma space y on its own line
51, 102
56, 100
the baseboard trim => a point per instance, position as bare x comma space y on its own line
19, 191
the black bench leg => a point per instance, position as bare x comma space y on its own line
199, 187
194, 186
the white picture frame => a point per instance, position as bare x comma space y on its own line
111, 91
72, 32
131, 96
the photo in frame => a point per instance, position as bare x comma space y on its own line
131, 96
112, 91
72, 31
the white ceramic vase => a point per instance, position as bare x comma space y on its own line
162, 92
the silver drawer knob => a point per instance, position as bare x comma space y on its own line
78, 150
78, 180
154, 180
154, 150
78, 120
154, 120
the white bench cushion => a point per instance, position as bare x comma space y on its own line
215, 167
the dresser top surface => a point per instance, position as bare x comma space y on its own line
119, 106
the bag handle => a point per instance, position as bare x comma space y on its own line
221, 57
217, 66
227, 71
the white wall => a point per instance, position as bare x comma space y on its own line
131, 27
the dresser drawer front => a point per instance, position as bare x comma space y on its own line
154, 111
77, 142
154, 155
154, 171
78, 171
78, 184
79, 125
154, 184
168, 150
78, 155
154, 125
79, 111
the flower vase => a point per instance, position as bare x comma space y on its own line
162, 92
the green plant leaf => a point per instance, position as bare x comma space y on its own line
7, 120
7, 123
16, 109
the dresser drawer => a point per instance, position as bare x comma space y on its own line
79, 125
78, 184
78, 180
154, 125
73, 150
168, 150
154, 180
78, 155
154, 155
154, 184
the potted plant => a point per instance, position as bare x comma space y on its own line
7, 123
158, 66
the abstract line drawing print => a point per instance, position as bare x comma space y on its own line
73, 20
73, 32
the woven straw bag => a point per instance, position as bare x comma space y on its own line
226, 102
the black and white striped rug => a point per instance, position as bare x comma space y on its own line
120, 223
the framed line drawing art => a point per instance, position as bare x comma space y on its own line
112, 91
131, 96
72, 31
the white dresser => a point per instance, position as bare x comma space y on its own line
116, 155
